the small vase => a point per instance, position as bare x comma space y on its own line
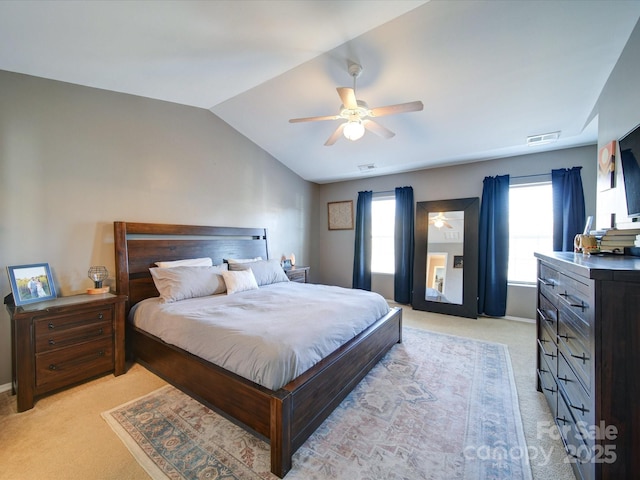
293, 260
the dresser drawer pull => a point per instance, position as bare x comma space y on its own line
548, 283
52, 342
572, 302
51, 326
565, 337
52, 367
101, 353
552, 390
583, 409
550, 355
562, 419
566, 380
582, 357
100, 316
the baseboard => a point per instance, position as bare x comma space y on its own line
4, 388
519, 319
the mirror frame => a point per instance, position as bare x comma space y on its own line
469, 306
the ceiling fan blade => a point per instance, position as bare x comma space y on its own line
314, 119
348, 97
399, 108
377, 128
335, 135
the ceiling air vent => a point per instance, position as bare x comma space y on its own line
542, 139
367, 167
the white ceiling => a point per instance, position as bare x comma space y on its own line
489, 73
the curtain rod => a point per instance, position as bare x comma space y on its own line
532, 175
384, 191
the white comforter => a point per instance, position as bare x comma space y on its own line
270, 335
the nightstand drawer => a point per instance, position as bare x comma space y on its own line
71, 364
55, 339
45, 326
298, 274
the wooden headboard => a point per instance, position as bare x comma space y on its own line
139, 245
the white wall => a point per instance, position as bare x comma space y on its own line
619, 112
75, 159
460, 181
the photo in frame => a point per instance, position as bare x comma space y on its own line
458, 261
340, 215
31, 283
606, 166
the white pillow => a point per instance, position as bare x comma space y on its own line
242, 260
265, 271
239, 281
192, 262
180, 283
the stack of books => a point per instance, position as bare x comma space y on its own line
615, 240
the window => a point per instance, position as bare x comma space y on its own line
383, 212
530, 228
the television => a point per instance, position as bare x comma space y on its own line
630, 161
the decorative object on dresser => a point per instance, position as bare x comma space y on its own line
588, 353
64, 341
31, 283
298, 274
98, 274
606, 166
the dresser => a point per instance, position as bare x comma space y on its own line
588, 328
64, 341
298, 274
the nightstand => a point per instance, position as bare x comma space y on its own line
64, 341
298, 274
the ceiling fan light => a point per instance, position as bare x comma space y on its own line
353, 130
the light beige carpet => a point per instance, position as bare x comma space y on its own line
64, 436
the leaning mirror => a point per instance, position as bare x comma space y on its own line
446, 257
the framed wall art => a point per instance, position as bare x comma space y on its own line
31, 283
606, 166
340, 215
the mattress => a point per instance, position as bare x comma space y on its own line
270, 335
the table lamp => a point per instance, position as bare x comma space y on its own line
98, 274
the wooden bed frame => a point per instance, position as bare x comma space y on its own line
286, 417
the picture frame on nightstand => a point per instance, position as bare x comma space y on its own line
31, 283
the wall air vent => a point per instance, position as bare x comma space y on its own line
542, 139
367, 167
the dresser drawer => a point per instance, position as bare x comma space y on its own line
548, 280
548, 349
45, 326
578, 400
580, 453
576, 347
71, 364
81, 332
548, 384
548, 314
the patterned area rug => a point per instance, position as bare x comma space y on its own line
435, 407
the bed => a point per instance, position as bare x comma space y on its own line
286, 416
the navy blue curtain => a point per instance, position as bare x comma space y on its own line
362, 251
493, 242
568, 207
403, 245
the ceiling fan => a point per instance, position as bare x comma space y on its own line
439, 220
357, 113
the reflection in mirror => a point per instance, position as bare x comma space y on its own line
445, 241
446, 257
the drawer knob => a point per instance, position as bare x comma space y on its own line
101, 353
52, 367
52, 341
100, 331
51, 326
100, 316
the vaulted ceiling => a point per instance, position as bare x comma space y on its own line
489, 73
